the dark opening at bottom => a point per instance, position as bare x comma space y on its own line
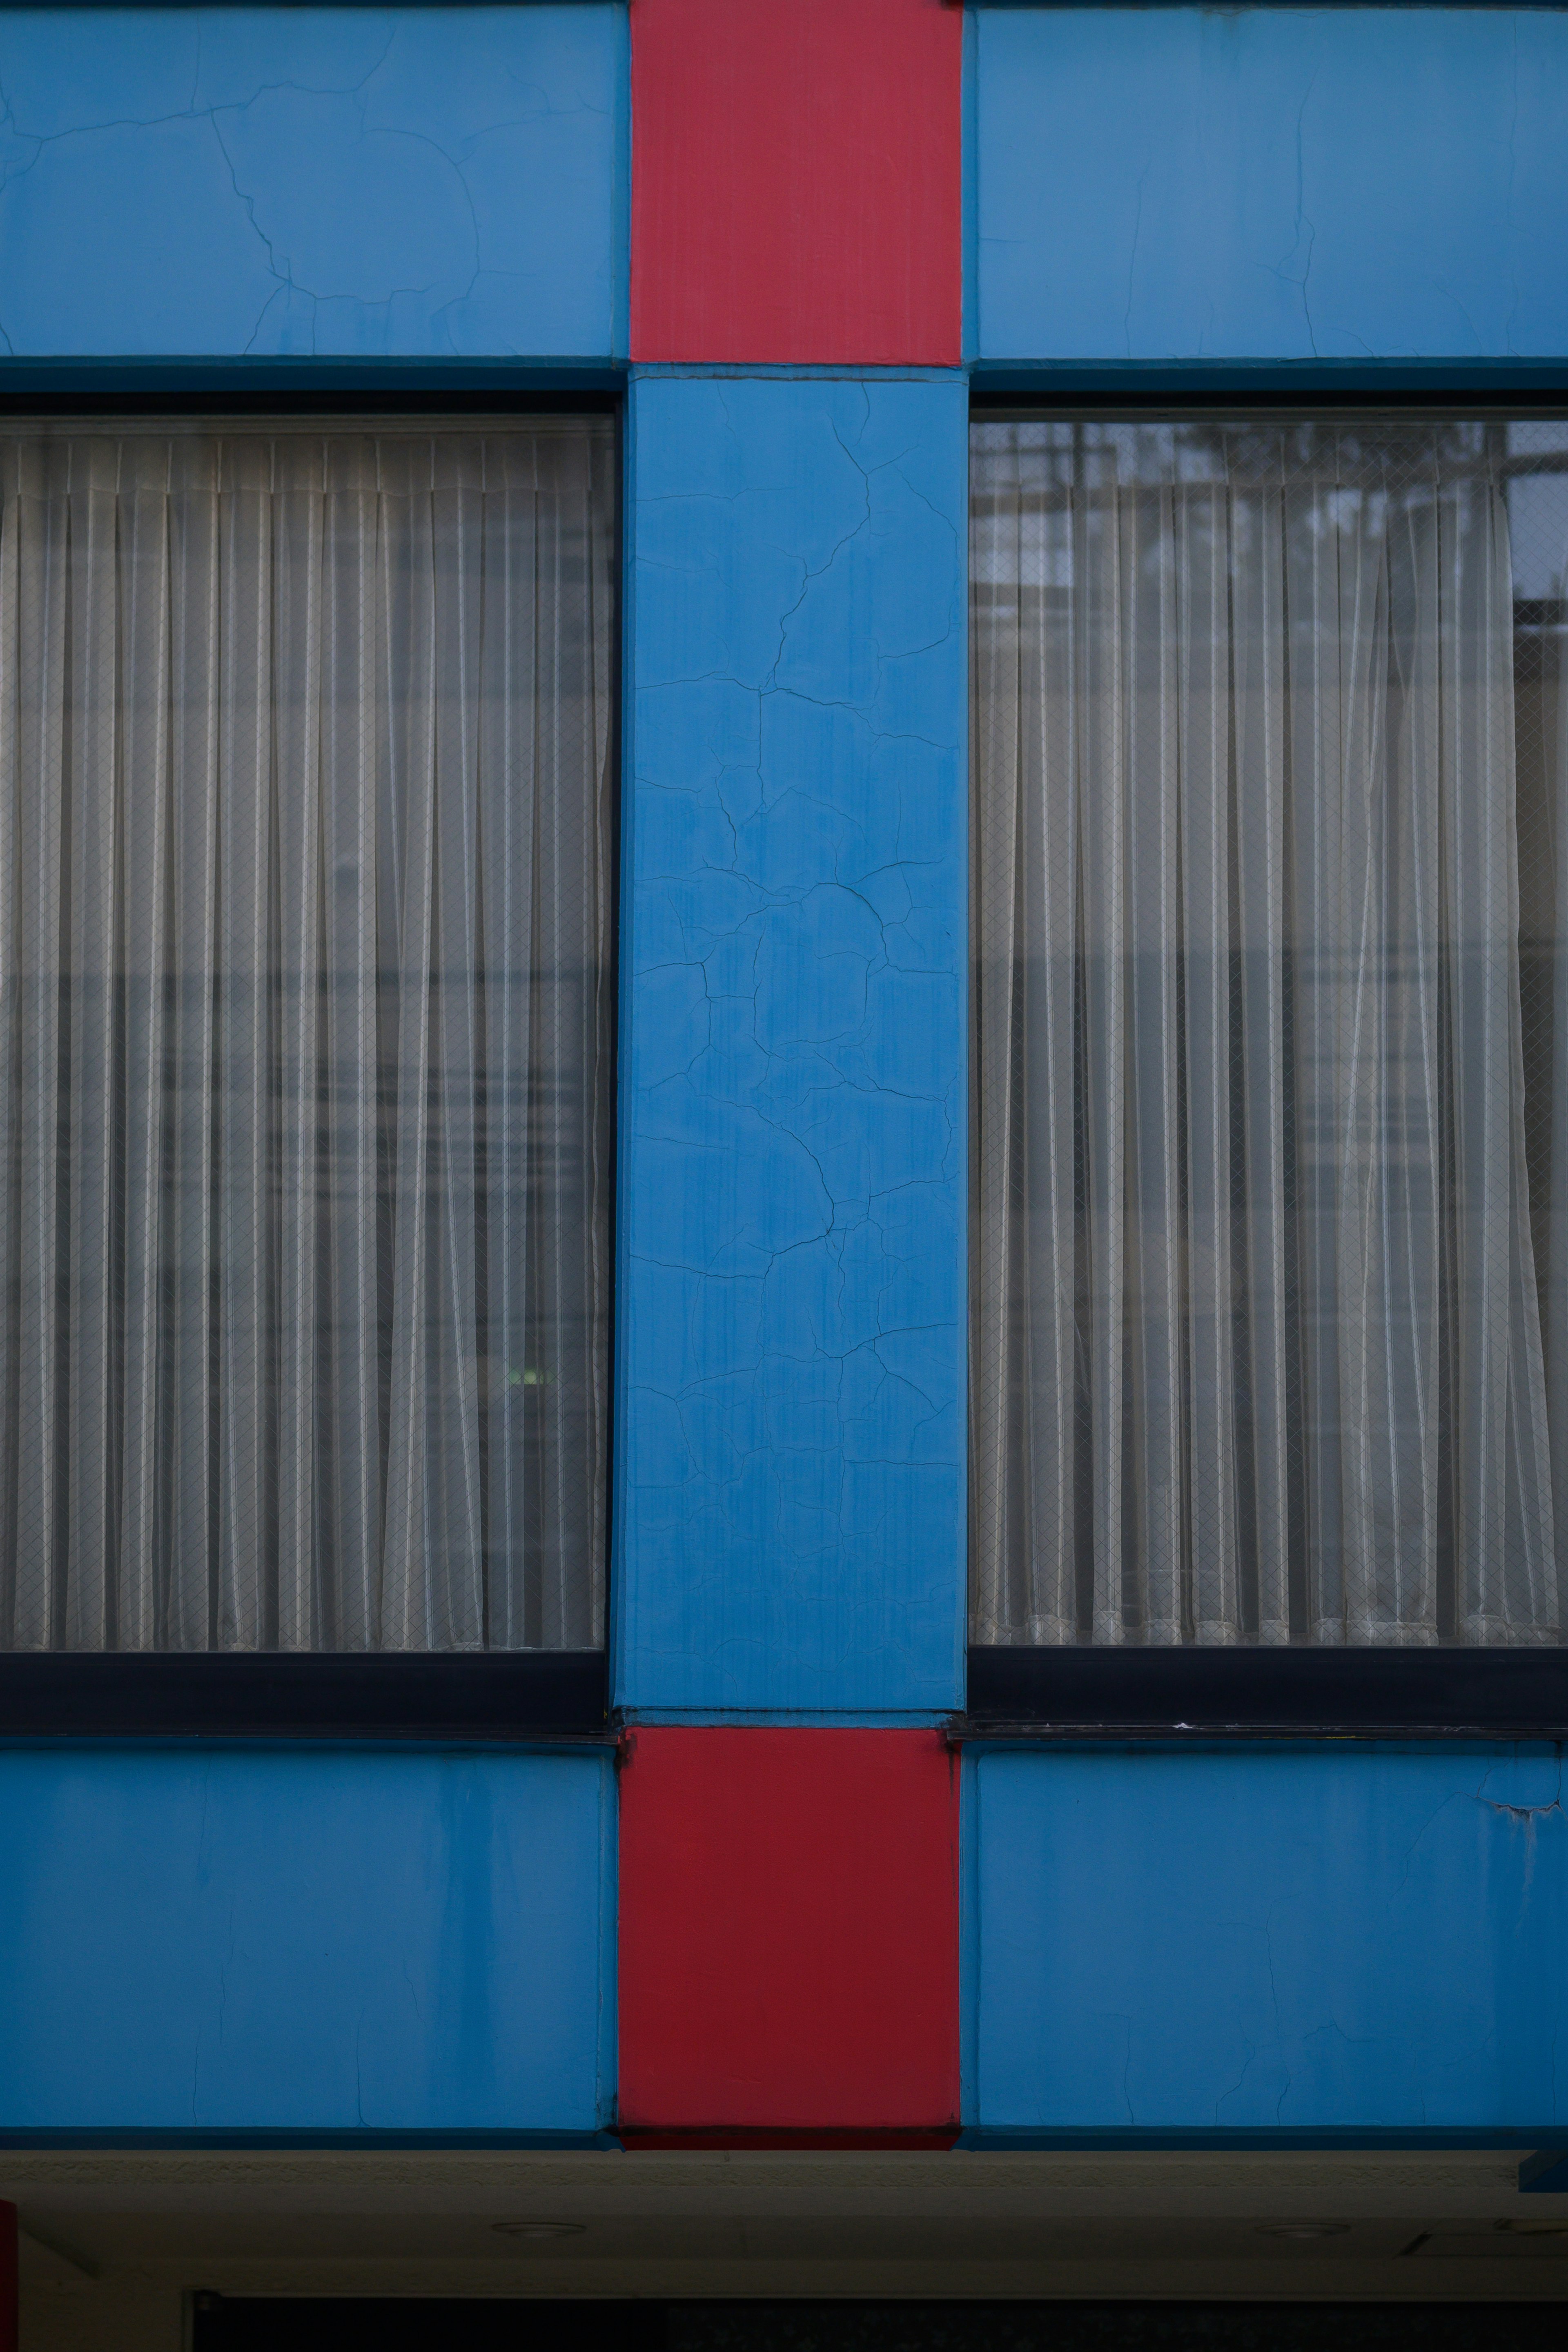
278, 2323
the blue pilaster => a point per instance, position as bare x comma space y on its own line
790, 1502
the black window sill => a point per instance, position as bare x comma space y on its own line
1252, 1693
494, 1695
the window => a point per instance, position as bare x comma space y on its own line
1270, 1243
305, 1032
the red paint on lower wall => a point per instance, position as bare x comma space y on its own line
788, 1938
797, 181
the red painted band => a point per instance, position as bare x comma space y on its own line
788, 1937
632, 2140
797, 181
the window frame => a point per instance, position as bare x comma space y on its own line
562, 1696
1203, 1692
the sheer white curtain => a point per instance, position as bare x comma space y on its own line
304, 1034
1257, 1340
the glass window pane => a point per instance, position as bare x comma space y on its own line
1270, 1277
305, 819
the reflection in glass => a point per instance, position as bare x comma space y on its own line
1270, 1297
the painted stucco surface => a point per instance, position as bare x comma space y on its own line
1268, 1940
1277, 183
319, 1941
790, 1446
285, 181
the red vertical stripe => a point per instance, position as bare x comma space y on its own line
789, 1936
797, 181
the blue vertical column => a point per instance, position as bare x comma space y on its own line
790, 1507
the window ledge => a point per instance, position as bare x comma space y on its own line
1271, 1693
489, 1695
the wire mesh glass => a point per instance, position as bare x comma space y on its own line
1269, 1258
305, 1043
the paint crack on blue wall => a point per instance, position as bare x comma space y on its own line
1270, 184
274, 182
791, 1452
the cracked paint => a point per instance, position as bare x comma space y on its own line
1270, 184
279, 182
1283, 1939
790, 1447
322, 1941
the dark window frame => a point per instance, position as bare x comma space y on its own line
1196, 1694
438, 1695
1191, 1693
483, 1694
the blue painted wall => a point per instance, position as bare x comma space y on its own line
318, 1939
1275, 184
1267, 1939
343, 1940
287, 181
791, 1439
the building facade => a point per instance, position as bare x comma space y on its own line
781, 782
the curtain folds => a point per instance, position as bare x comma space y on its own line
305, 926
1262, 1350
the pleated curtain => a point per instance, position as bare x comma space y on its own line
304, 1034
1267, 1344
